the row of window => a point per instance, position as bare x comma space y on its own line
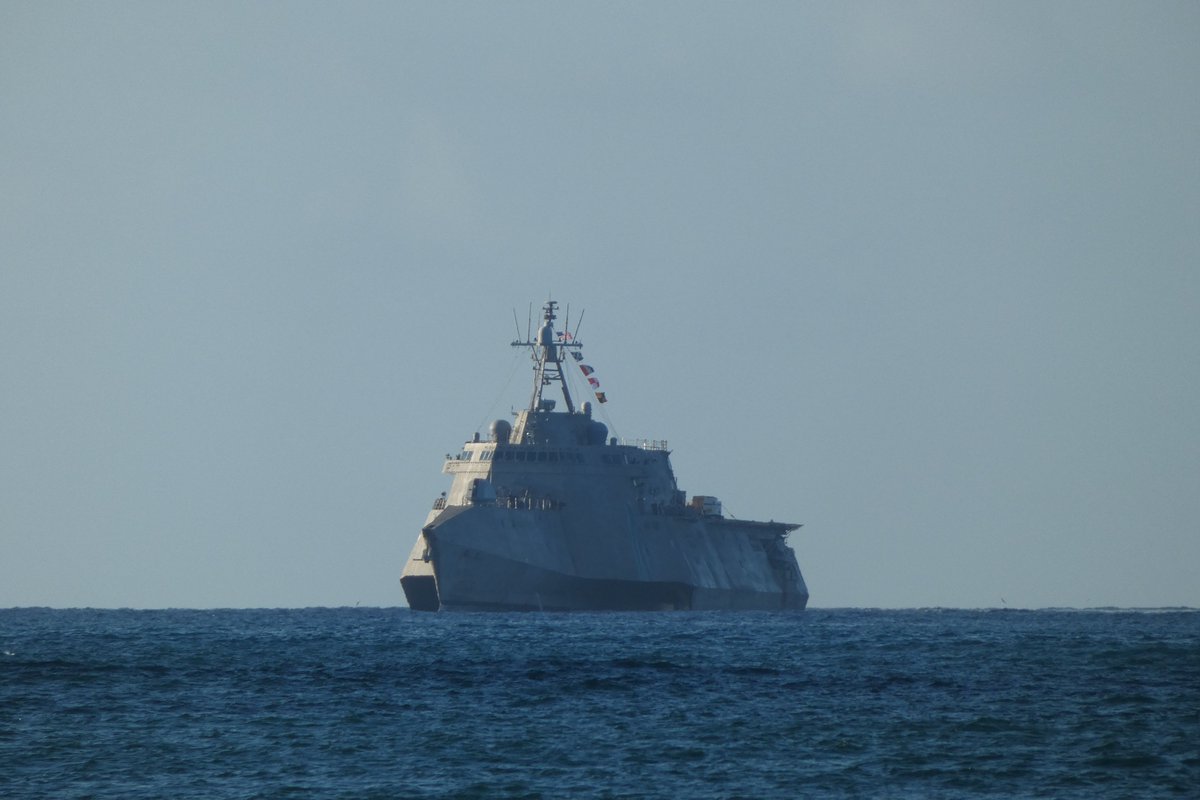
551, 456
543, 456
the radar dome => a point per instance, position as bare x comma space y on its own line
500, 431
596, 432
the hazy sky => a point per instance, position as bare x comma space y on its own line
924, 277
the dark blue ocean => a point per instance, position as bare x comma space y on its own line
387, 703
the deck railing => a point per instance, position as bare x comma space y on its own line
646, 444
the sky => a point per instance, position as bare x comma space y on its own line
922, 276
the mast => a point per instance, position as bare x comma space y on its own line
547, 352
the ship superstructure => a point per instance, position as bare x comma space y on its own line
551, 513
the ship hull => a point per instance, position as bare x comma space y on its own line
487, 561
511, 586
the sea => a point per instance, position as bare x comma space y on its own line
389, 703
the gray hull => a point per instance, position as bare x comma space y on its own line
487, 559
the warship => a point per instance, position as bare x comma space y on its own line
550, 513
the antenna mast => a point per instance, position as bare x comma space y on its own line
547, 352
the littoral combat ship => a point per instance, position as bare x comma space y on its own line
550, 513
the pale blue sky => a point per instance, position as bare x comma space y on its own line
922, 276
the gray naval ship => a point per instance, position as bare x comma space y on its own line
550, 513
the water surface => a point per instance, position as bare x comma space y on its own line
387, 703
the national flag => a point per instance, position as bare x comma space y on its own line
565, 336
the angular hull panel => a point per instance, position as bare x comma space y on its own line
481, 558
